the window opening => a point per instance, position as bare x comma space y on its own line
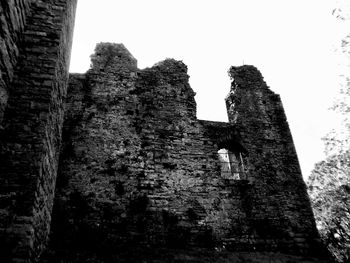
232, 165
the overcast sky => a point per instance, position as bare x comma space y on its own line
291, 42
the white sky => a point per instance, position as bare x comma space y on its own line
291, 42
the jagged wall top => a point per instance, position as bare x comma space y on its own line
246, 76
107, 56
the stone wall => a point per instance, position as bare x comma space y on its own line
139, 172
280, 207
139, 177
13, 16
31, 128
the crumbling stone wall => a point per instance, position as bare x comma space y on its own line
38, 36
280, 207
137, 166
139, 176
139, 172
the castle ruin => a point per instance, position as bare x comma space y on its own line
113, 165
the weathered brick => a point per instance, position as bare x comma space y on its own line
140, 178
138, 169
32, 120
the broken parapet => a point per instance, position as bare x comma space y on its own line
108, 55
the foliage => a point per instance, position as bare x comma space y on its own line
329, 189
329, 182
342, 10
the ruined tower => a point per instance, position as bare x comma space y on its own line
114, 166
139, 172
279, 199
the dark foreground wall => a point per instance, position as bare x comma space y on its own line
37, 37
140, 177
13, 18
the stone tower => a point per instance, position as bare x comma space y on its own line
279, 200
114, 166
139, 172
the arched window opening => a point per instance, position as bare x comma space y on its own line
232, 165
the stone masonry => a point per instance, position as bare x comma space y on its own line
114, 166
36, 39
278, 195
138, 170
13, 18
